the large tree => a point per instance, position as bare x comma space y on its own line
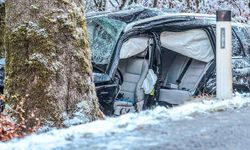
48, 69
2, 17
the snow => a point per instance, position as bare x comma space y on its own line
240, 9
78, 116
2, 62
163, 16
58, 138
53, 66
2, 1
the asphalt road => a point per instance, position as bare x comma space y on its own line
228, 130
198, 125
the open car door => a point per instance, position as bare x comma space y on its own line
186, 56
138, 78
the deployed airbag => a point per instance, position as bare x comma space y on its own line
133, 46
192, 43
149, 82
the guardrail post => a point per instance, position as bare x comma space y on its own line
224, 83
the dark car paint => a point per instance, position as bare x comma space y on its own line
128, 16
152, 29
108, 81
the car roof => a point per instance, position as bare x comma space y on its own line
177, 16
144, 15
127, 16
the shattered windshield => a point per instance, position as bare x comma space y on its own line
103, 35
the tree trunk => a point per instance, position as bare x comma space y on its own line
2, 17
100, 4
123, 4
197, 6
188, 4
155, 4
48, 69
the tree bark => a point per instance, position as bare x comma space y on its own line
155, 4
2, 24
48, 69
188, 4
197, 6
123, 4
100, 4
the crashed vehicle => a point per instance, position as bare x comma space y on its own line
142, 58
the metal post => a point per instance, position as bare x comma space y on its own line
224, 79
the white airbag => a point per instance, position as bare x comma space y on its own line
149, 82
192, 43
133, 46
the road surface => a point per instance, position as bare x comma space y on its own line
228, 130
199, 125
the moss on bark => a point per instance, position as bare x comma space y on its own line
48, 69
2, 24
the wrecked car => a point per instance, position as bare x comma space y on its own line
145, 58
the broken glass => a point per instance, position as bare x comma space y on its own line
103, 35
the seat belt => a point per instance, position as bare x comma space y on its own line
150, 51
178, 81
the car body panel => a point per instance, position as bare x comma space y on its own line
152, 26
151, 23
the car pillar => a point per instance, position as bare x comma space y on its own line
224, 83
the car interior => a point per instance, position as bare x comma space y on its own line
134, 66
184, 62
185, 56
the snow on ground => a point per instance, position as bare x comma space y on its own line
58, 138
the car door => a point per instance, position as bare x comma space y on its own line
241, 59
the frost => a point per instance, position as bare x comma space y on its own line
2, 62
64, 19
244, 36
57, 139
77, 10
236, 46
78, 116
78, 33
32, 28
34, 7
53, 66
